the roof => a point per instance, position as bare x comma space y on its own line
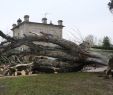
60, 26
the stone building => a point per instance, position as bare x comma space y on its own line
30, 28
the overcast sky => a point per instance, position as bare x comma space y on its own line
81, 17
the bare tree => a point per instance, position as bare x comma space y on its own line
90, 39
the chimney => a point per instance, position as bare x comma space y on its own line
14, 25
60, 22
26, 18
19, 21
44, 20
51, 22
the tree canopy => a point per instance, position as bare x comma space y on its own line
106, 42
110, 4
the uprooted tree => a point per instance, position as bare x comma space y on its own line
67, 55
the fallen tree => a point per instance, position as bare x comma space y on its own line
64, 51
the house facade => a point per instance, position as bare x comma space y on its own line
29, 28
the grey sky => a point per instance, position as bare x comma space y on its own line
89, 16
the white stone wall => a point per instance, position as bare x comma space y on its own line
34, 28
26, 28
19, 31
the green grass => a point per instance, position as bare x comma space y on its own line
57, 84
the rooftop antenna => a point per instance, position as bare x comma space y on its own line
45, 15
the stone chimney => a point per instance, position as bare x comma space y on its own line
60, 22
44, 20
26, 18
19, 21
51, 22
14, 25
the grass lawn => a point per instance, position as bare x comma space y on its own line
57, 84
